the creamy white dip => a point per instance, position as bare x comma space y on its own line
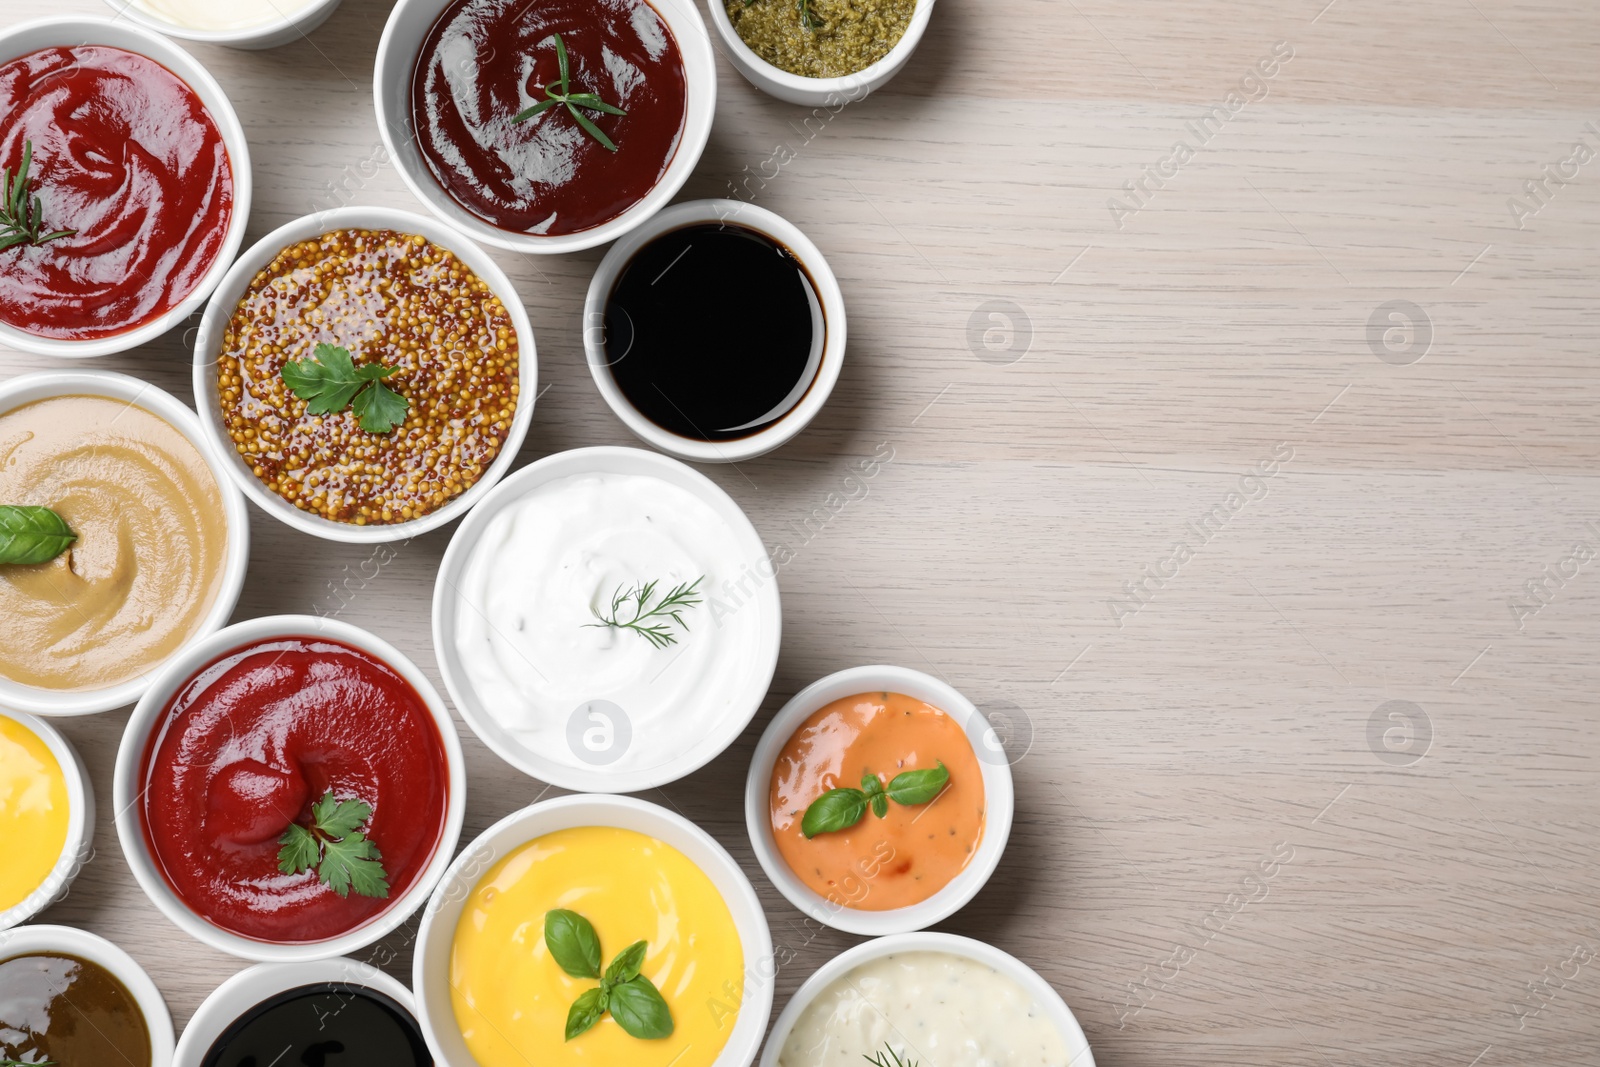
222, 14
589, 696
937, 1008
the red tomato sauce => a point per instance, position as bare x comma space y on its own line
249, 744
125, 153
484, 61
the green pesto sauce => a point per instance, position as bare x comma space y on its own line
843, 36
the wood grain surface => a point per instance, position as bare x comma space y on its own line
1313, 789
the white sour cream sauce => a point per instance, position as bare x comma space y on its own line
933, 1007
544, 565
222, 14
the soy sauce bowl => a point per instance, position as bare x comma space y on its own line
823, 283
338, 981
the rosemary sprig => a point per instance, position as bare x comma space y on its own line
22, 214
670, 607
892, 1060
561, 93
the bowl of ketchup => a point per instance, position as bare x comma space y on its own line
473, 109
140, 174
289, 789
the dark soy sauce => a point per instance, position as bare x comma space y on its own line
332, 1024
714, 331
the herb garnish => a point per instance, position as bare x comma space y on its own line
808, 18
670, 607
344, 857
330, 382
840, 809
22, 214
561, 93
32, 534
633, 1000
892, 1060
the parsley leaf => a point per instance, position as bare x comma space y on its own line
344, 857
330, 381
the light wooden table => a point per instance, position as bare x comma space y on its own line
1066, 399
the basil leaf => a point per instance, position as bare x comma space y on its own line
573, 943
640, 1009
626, 966
584, 1013
871, 785
837, 809
32, 534
880, 804
918, 787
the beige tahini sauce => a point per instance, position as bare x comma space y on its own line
936, 1008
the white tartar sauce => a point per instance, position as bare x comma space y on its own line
936, 1008
222, 14
527, 606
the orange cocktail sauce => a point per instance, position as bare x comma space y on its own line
913, 852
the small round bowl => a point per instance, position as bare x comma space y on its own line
130, 753
25, 940
78, 847
270, 34
215, 323
402, 39
999, 800
253, 985
116, 33
448, 603
431, 964
833, 93
41, 385
696, 212
1078, 1052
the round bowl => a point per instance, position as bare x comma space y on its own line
214, 324
999, 800
74, 942
1078, 1052
26, 388
117, 33
251, 986
431, 964
78, 848
402, 39
129, 818
692, 213
832, 93
448, 604
270, 34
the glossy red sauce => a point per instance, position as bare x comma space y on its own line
125, 153
249, 744
486, 60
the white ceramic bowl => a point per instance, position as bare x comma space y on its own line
215, 323
270, 34
692, 213
125, 790
78, 848
27, 388
410, 22
999, 800
1078, 1053
448, 603
253, 985
86, 946
431, 964
832, 93
70, 32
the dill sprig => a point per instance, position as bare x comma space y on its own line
22, 213
665, 612
892, 1060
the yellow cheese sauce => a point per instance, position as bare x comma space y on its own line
511, 998
33, 812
